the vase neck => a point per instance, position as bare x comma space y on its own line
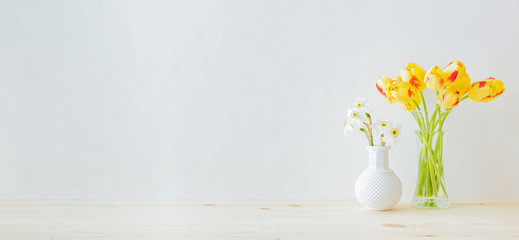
378, 159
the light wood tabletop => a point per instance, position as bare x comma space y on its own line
272, 220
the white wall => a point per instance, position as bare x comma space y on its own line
239, 99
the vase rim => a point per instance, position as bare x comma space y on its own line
378, 148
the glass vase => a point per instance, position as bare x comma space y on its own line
430, 192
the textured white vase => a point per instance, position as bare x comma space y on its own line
378, 187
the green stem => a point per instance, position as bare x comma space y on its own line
432, 123
439, 146
423, 124
425, 109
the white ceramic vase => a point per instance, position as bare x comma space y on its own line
378, 187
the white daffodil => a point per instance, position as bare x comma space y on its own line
388, 133
348, 128
358, 117
362, 103
364, 106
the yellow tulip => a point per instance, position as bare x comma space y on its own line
401, 92
462, 84
454, 72
448, 98
411, 105
485, 90
414, 74
382, 84
435, 79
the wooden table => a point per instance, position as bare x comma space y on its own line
272, 220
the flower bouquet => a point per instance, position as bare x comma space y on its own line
378, 133
452, 86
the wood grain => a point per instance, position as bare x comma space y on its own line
60, 220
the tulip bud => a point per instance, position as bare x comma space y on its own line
448, 98
435, 79
454, 72
414, 74
401, 92
382, 84
485, 90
